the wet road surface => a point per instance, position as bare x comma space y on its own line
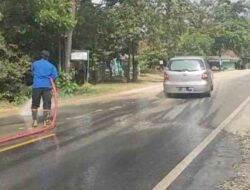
127, 143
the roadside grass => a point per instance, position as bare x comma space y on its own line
7, 108
151, 77
89, 90
6, 105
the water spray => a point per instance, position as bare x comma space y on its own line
40, 130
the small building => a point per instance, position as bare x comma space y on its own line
228, 61
245, 62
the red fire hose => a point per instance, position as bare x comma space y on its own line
37, 131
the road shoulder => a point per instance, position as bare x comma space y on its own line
225, 163
240, 128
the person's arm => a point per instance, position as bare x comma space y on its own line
32, 69
54, 73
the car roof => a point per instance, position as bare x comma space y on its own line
187, 57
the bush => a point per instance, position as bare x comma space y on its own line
23, 95
13, 76
66, 84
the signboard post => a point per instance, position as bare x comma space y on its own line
88, 67
81, 56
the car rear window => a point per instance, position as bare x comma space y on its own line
186, 65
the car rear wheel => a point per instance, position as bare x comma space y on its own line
212, 87
207, 94
168, 95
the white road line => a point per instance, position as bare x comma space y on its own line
83, 115
99, 110
115, 108
75, 117
170, 177
139, 90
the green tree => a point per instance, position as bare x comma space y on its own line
36, 24
195, 43
27, 26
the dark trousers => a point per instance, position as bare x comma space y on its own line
45, 94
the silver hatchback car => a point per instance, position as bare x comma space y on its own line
188, 75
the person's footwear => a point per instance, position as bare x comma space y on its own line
34, 124
34, 117
46, 118
46, 123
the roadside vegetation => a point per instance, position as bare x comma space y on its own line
69, 89
146, 31
68, 93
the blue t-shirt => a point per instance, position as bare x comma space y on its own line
42, 71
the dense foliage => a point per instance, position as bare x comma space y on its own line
14, 73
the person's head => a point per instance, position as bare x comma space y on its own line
45, 54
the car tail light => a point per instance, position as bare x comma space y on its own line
204, 76
166, 77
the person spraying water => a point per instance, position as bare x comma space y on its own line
42, 71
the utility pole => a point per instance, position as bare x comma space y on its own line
68, 41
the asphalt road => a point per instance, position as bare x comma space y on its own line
129, 142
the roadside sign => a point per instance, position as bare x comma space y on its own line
97, 1
80, 56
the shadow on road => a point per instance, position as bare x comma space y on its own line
188, 96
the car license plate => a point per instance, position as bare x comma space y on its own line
180, 89
189, 89
186, 89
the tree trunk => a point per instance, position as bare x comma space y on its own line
68, 42
128, 66
129, 60
68, 46
60, 67
134, 63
